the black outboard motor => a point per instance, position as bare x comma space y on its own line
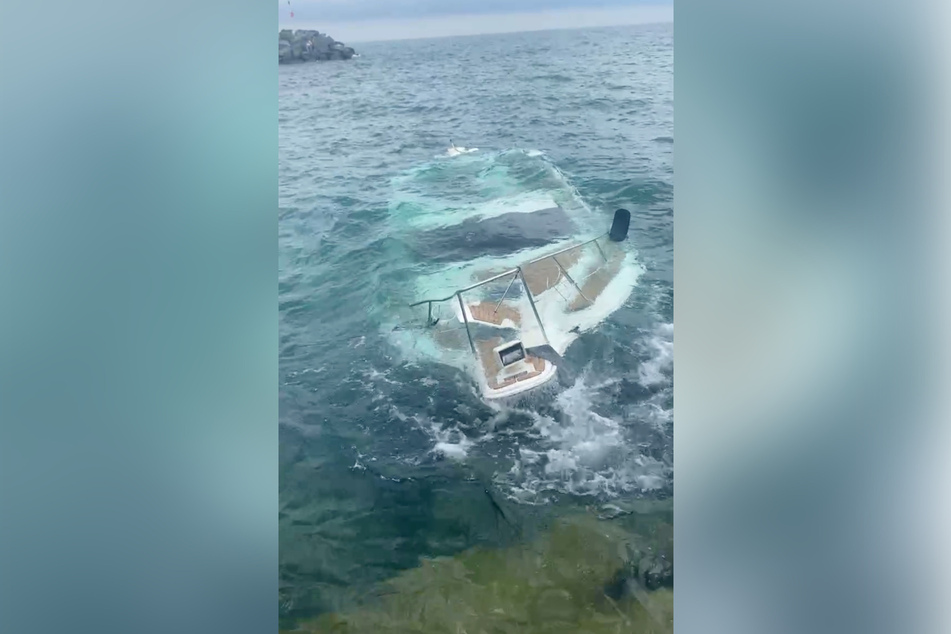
622, 221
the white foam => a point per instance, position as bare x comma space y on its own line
415, 204
582, 453
528, 456
455, 451
655, 370
417, 344
561, 462
563, 327
450, 443
456, 151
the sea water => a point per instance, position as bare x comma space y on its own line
387, 457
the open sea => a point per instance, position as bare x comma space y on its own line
406, 502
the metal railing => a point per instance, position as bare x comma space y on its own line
517, 272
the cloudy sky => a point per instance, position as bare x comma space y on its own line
370, 20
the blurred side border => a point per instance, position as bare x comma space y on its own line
812, 288
138, 317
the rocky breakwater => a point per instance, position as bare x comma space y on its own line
306, 46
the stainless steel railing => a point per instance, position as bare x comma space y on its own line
517, 272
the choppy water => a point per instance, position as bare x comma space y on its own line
385, 456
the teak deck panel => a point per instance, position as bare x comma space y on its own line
486, 312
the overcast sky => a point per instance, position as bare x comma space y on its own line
372, 20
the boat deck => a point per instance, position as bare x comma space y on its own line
545, 274
489, 313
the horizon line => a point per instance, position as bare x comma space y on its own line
468, 25
553, 28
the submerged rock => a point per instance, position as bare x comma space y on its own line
643, 570
307, 45
551, 584
653, 572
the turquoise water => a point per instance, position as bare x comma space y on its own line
387, 456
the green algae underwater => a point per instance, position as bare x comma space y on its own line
581, 575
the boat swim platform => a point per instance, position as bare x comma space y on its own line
542, 371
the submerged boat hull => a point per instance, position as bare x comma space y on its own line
509, 268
